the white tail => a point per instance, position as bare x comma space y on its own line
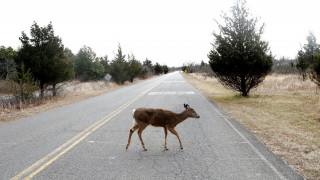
159, 118
134, 121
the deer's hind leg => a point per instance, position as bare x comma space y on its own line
135, 127
141, 128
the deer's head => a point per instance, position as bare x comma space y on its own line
191, 112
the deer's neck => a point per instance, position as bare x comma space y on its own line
181, 117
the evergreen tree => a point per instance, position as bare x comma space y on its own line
148, 63
148, 67
68, 53
105, 63
302, 64
315, 72
22, 85
311, 48
239, 57
165, 69
305, 58
87, 65
135, 68
7, 64
202, 63
43, 53
119, 67
158, 68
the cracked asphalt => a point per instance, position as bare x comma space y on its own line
86, 140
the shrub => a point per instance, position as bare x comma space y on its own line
22, 85
315, 73
239, 57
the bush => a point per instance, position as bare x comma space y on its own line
87, 65
315, 73
7, 64
119, 67
4, 86
165, 69
22, 85
239, 57
135, 69
158, 69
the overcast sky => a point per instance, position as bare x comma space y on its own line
170, 32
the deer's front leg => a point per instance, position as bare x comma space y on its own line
173, 131
165, 137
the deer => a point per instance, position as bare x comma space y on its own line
143, 117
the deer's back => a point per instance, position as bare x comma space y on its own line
155, 117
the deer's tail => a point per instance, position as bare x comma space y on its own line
134, 120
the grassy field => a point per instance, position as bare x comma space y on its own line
283, 112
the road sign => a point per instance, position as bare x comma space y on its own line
108, 77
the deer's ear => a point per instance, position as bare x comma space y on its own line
186, 106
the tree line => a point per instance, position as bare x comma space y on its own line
43, 61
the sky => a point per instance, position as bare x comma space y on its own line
170, 32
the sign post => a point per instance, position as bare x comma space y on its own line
108, 77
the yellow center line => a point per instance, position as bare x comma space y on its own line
75, 140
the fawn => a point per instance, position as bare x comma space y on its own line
159, 118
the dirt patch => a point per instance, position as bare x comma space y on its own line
283, 112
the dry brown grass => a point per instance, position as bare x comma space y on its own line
75, 92
4, 87
283, 112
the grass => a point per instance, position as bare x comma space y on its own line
74, 92
4, 88
283, 112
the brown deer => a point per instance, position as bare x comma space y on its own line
159, 118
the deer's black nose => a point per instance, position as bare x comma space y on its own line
198, 116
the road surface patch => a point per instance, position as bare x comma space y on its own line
171, 93
44, 162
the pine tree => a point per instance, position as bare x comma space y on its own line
239, 56
302, 64
87, 65
315, 72
43, 53
148, 67
165, 69
135, 68
158, 69
105, 63
119, 67
22, 85
306, 56
7, 64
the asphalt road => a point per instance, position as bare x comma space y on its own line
86, 140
